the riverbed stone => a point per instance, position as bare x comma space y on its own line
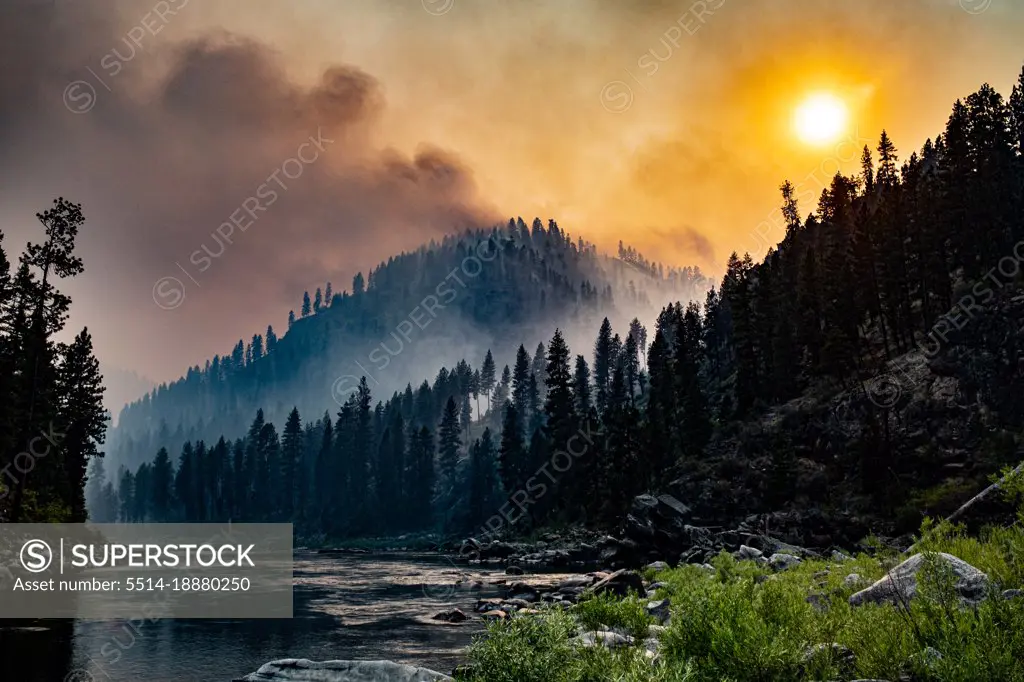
659, 610
621, 583
609, 640
900, 584
781, 562
747, 553
451, 616
304, 670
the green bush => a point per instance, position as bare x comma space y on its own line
746, 624
605, 611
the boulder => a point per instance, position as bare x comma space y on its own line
657, 524
659, 610
781, 562
514, 570
657, 566
900, 584
621, 583
452, 616
609, 640
303, 670
746, 553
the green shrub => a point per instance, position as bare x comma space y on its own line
605, 611
746, 624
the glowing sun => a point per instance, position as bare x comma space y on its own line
821, 118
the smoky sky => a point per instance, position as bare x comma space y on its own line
166, 119
166, 142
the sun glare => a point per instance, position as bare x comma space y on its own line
821, 118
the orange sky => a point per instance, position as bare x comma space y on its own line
515, 89
665, 124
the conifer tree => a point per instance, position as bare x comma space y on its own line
512, 452
483, 479
448, 443
603, 360
161, 482
292, 444
487, 377
80, 391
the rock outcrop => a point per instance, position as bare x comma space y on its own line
901, 583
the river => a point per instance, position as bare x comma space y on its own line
370, 606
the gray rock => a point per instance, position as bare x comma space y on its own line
657, 566
452, 616
303, 670
621, 583
609, 640
901, 582
514, 570
837, 653
781, 562
524, 596
840, 557
659, 609
747, 553
852, 580
1013, 594
652, 649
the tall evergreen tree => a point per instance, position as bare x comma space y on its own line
448, 443
292, 446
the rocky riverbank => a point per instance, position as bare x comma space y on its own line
746, 617
661, 528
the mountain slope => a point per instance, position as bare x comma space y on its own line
445, 302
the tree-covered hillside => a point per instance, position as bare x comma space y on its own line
445, 302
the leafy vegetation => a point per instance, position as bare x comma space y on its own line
745, 624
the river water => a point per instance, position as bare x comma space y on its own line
366, 607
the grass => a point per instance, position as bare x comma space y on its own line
745, 624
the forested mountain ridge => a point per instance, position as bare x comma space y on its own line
445, 302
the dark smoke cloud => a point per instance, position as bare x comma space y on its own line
172, 145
